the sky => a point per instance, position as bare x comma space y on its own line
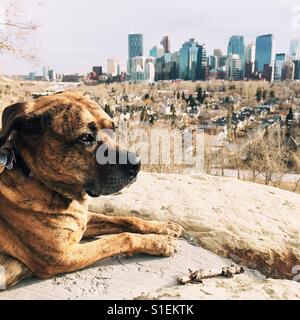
74, 35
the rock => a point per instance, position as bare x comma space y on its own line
146, 277
255, 225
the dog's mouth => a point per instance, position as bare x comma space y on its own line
115, 185
111, 179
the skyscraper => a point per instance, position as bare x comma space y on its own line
249, 60
212, 62
157, 52
46, 73
184, 63
297, 69
137, 71
112, 67
288, 70
165, 42
149, 71
236, 45
192, 61
295, 49
222, 61
250, 53
280, 58
218, 53
265, 54
233, 67
135, 47
202, 68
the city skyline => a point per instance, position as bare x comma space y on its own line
93, 45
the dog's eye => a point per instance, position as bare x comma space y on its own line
87, 139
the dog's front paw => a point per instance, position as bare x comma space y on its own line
169, 229
165, 246
174, 229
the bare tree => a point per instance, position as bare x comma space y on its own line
15, 31
267, 155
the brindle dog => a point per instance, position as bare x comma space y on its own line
43, 198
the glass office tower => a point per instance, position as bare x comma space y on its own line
297, 69
135, 48
236, 45
264, 54
184, 59
280, 58
295, 49
192, 61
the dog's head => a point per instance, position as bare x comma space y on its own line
65, 142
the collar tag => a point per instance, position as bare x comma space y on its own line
7, 154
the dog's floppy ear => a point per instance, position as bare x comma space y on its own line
10, 118
17, 118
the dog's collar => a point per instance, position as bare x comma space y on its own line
7, 154
10, 156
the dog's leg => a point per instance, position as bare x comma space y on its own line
12, 271
80, 256
100, 224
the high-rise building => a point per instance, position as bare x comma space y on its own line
149, 72
233, 67
157, 52
192, 61
51, 75
250, 53
112, 67
265, 54
168, 57
138, 68
249, 70
280, 59
288, 70
202, 68
31, 76
236, 45
212, 62
249, 60
222, 61
218, 53
153, 52
165, 42
135, 48
184, 64
297, 69
295, 49
46, 73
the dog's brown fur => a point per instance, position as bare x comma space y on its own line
44, 212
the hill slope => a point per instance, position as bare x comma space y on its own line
255, 225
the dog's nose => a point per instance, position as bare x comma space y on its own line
133, 163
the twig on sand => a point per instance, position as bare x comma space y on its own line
199, 275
